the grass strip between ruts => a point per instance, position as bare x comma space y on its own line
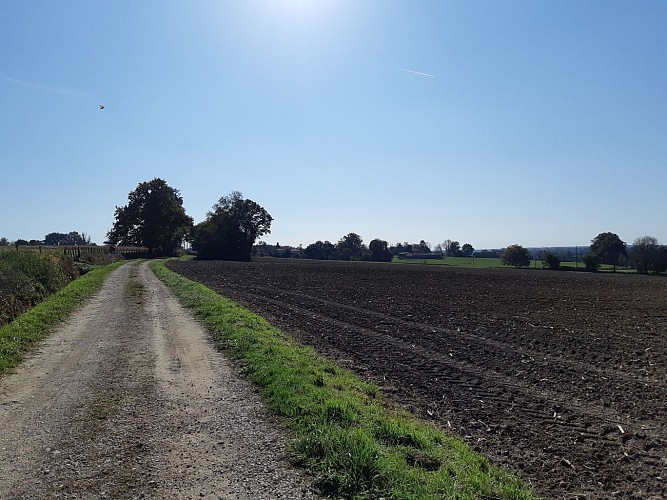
356, 446
20, 336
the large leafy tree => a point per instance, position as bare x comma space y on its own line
645, 254
379, 250
452, 248
231, 229
515, 255
320, 250
71, 238
609, 248
154, 217
351, 245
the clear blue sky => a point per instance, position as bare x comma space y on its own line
490, 122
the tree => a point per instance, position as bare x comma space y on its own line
320, 250
154, 217
452, 248
591, 262
421, 247
71, 238
551, 261
354, 243
515, 255
644, 254
4, 242
609, 248
379, 251
660, 265
231, 229
467, 249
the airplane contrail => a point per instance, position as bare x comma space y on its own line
417, 72
47, 88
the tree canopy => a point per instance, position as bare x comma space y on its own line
467, 249
231, 229
609, 248
71, 238
645, 254
379, 251
351, 246
154, 217
515, 255
322, 250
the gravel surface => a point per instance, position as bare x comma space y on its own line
129, 399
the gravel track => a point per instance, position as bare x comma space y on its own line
129, 399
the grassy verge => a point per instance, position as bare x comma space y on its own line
342, 432
20, 336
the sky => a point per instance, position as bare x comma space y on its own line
492, 123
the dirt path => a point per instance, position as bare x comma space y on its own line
128, 399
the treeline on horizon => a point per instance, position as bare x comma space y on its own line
155, 218
645, 255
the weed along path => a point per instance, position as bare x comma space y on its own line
129, 399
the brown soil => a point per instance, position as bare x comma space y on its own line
561, 376
129, 399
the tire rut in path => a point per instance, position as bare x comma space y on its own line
129, 399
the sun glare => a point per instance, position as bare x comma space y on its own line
302, 8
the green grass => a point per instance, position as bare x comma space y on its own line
21, 335
454, 262
355, 444
490, 263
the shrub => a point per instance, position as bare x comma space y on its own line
515, 255
551, 261
591, 262
26, 278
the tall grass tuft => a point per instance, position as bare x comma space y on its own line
26, 278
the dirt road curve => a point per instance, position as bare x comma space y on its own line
128, 399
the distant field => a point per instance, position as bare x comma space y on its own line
469, 262
454, 262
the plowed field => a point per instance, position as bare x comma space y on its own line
560, 376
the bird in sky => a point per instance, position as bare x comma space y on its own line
101, 106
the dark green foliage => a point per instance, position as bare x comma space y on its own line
515, 255
609, 248
345, 254
660, 265
321, 251
421, 247
452, 248
591, 262
380, 251
20, 336
231, 229
467, 249
353, 243
551, 261
26, 278
645, 254
71, 238
154, 218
